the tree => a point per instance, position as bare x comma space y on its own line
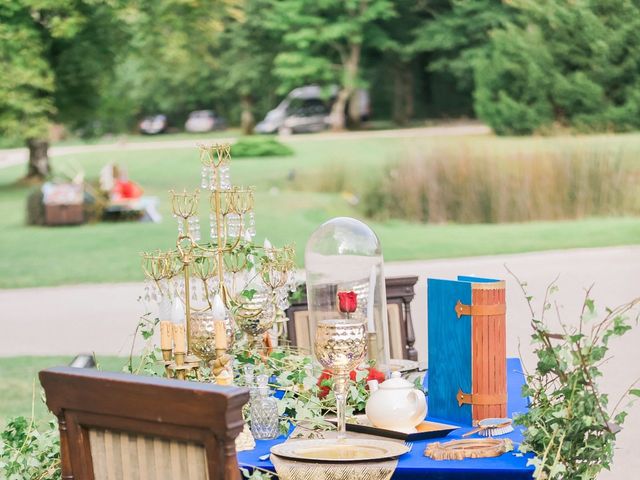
173, 58
56, 56
572, 63
247, 53
324, 42
513, 82
457, 33
399, 54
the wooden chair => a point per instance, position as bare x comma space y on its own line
400, 293
115, 426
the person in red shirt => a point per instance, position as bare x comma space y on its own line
123, 188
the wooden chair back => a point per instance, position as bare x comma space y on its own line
116, 426
400, 293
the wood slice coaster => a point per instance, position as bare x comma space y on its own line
461, 449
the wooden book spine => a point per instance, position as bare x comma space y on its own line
489, 371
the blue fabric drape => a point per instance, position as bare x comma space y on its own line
415, 465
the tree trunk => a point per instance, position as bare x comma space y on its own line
247, 121
402, 94
336, 118
408, 92
38, 159
398, 111
354, 109
350, 77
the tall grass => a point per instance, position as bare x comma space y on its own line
483, 185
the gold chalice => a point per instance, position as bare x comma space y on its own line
340, 345
256, 316
202, 335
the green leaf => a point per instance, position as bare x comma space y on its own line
248, 294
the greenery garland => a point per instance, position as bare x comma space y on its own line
569, 426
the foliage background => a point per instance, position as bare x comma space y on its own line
522, 66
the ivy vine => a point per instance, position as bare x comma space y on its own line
569, 425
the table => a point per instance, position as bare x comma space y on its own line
414, 465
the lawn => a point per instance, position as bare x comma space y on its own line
21, 391
294, 195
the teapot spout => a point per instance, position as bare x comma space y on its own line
373, 385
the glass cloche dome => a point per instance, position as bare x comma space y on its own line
345, 278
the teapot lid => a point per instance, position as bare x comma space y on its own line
396, 382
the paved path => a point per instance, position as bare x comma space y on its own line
102, 318
18, 156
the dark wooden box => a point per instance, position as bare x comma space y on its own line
63, 214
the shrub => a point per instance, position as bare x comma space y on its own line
260, 147
570, 63
489, 186
513, 83
29, 452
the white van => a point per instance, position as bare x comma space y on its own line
305, 110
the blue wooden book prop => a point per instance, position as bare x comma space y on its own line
467, 349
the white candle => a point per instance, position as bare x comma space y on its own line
177, 311
371, 325
166, 335
220, 331
217, 310
247, 238
267, 248
164, 308
179, 338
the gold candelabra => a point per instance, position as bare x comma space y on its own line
218, 266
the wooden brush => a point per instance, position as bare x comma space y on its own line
492, 427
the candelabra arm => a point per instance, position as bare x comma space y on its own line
187, 306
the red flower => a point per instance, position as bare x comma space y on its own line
324, 389
347, 301
326, 378
372, 375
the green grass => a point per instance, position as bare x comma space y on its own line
289, 208
21, 388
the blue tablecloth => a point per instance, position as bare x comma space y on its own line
415, 465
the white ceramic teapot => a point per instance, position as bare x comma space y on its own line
396, 404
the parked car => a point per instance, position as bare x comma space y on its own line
303, 110
306, 109
153, 124
307, 115
204, 121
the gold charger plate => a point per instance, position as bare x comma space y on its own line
332, 450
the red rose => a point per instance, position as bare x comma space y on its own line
324, 389
347, 301
373, 374
326, 377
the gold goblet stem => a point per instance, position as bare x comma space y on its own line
340, 392
372, 340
